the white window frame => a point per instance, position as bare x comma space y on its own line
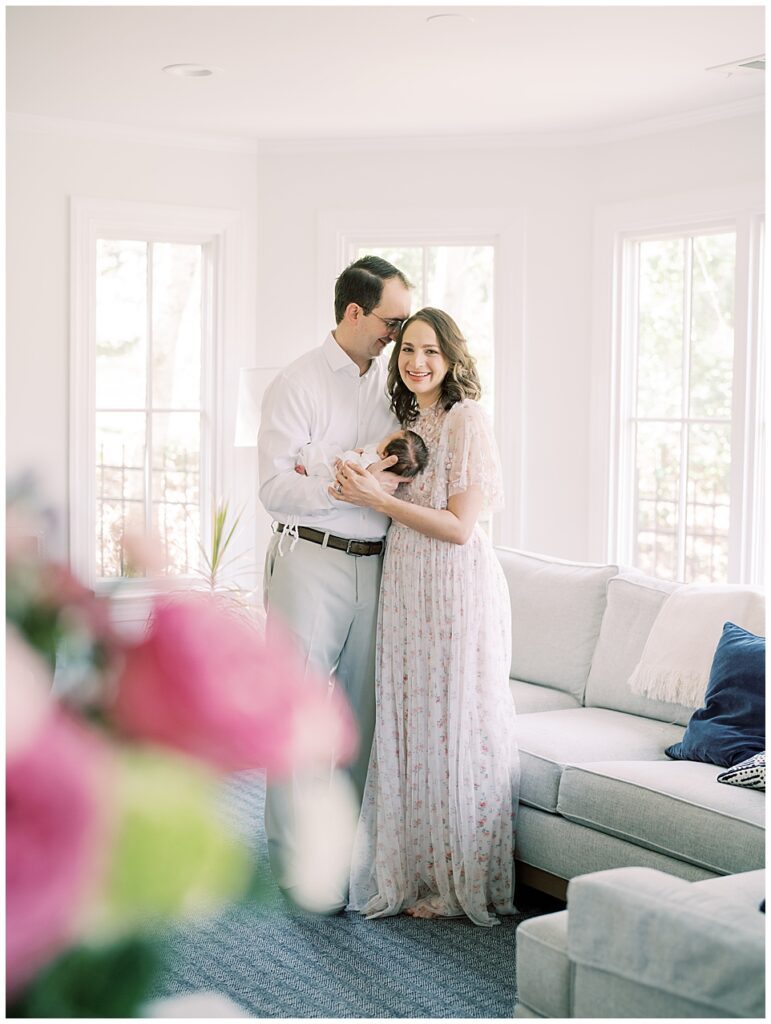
220, 232
739, 209
341, 231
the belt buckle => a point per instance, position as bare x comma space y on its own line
348, 548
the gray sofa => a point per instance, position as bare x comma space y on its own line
640, 943
597, 789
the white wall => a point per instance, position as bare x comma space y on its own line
44, 169
282, 194
559, 190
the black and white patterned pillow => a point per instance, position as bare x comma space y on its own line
751, 774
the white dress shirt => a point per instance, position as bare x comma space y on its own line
321, 397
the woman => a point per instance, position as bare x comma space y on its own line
435, 837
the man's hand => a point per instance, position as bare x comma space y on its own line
388, 481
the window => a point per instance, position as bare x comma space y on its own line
151, 435
681, 420
458, 279
685, 499
151, 409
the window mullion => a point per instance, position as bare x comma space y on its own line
629, 422
149, 392
754, 560
209, 463
685, 406
744, 470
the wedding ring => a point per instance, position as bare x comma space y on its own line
339, 488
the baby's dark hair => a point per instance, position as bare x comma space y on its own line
411, 452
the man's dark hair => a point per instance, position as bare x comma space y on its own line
362, 283
411, 452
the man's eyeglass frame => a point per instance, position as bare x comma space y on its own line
392, 325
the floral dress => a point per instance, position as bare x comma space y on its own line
438, 814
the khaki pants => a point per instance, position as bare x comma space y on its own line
328, 601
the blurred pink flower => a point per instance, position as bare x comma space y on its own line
207, 683
28, 685
56, 836
144, 552
24, 531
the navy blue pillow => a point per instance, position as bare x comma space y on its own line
732, 724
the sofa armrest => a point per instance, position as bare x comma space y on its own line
543, 968
649, 934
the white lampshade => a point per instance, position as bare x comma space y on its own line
251, 388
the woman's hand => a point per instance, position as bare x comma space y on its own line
379, 470
358, 486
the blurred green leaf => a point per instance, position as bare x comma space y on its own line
92, 981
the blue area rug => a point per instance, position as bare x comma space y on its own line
278, 962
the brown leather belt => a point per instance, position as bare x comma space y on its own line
350, 547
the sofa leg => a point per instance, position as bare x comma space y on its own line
552, 885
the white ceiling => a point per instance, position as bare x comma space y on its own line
372, 72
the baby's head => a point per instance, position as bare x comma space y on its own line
411, 452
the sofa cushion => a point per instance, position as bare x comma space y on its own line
556, 612
731, 726
550, 740
634, 602
676, 808
529, 697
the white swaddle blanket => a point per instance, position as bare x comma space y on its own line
678, 653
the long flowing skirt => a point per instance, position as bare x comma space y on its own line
438, 815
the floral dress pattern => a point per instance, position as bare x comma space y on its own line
438, 814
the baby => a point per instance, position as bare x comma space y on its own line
318, 459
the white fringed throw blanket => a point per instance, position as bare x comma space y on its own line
678, 653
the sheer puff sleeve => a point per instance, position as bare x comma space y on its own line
471, 455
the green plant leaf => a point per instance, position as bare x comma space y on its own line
222, 531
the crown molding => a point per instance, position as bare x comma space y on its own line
106, 131
46, 125
676, 122
513, 141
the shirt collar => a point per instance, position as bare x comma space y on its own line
339, 359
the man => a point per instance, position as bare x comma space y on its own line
323, 565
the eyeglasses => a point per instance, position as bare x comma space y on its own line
392, 325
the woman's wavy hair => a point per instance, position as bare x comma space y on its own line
461, 380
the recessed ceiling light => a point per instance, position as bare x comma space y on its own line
189, 70
448, 16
